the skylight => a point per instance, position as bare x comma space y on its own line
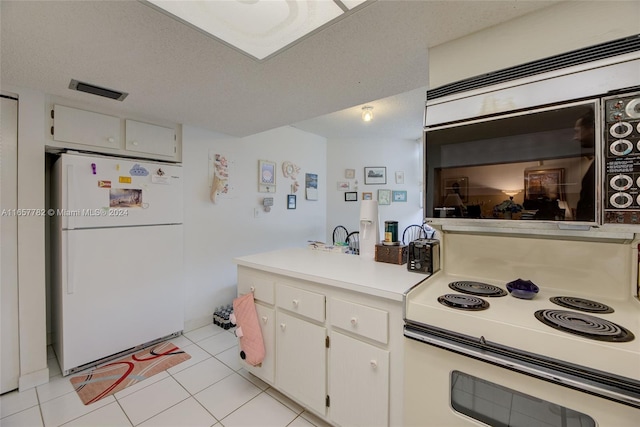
259, 28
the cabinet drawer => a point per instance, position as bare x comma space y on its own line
305, 303
360, 319
260, 284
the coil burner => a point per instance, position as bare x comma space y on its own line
463, 302
477, 288
584, 325
582, 304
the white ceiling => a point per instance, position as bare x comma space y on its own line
376, 55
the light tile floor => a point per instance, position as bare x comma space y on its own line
210, 389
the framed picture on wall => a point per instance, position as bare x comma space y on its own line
459, 186
375, 175
344, 185
351, 196
291, 201
384, 197
544, 183
266, 176
350, 173
399, 196
367, 196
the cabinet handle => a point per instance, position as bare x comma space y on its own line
134, 142
252, 289
111, 139
374, 364
283, 326
295, 302
354, 321
264, 319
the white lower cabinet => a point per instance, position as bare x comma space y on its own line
328, 349
267, 320
301, 360
358, 382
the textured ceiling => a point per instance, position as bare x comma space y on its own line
174, 72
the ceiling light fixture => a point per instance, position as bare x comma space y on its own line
367, 113
258, 28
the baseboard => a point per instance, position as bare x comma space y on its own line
190, 325
33, 379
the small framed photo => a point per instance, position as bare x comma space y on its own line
291, 201
367, 196
375, 175
344, 185
266, 176
384, 197
349, 173
458, 186
399, 196
399, 177
351, 196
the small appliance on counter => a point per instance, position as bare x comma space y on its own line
424, 256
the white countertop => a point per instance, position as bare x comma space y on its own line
351, 272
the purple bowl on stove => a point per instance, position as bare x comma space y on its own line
523, 289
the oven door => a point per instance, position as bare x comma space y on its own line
447, 388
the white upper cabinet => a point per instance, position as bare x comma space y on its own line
78, 129
150, 139
85, 127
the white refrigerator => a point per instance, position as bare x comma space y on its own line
116, 256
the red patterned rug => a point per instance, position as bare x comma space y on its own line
107, 379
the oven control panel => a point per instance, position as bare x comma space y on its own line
621, 184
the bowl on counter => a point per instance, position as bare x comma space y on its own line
523, 289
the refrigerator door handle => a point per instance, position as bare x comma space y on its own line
71, 191
70, 263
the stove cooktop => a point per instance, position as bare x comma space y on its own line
585, 325
582, 304
513, 322
477, 288
463, 302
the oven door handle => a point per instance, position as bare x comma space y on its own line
527, 365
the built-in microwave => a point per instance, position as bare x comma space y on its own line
555, 147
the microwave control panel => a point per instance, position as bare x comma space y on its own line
621, 184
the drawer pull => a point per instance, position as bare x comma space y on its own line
296, 303
283, 326
252, 289
374, 364
264, 319
354, 321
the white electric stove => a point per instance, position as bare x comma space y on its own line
477, 355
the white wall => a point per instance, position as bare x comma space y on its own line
560, 28
216, 233
395, 155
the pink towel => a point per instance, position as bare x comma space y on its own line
248, 330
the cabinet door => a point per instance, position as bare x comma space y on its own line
85, 127
151, 139
9, 338
302, 361
358, 383
267, 319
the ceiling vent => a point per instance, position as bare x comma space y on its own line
97, 90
